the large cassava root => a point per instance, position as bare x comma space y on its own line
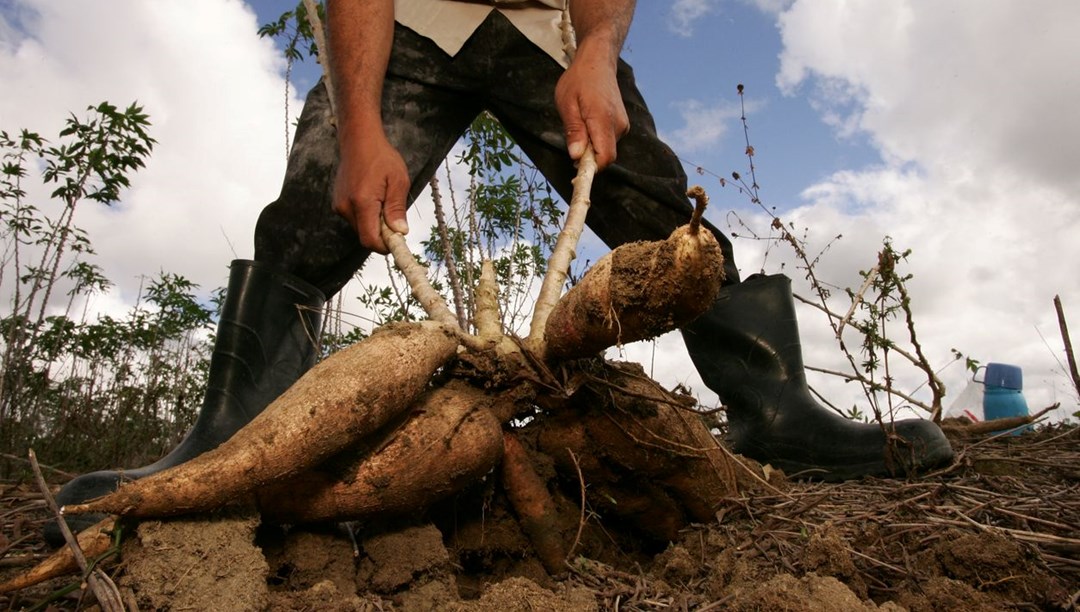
344, 444
637, 291
342, 399
533, 505
451, 439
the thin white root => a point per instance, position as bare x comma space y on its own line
564, 252
488, 324
430, 300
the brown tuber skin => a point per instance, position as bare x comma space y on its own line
450, 440
662, 466
346, 397
533, 505
638, 291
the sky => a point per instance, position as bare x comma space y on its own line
948, 127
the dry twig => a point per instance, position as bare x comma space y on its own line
102, 586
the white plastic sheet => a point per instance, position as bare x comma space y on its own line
969, 403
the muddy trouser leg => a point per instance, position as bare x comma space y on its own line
642, 196
426, 108
746, 347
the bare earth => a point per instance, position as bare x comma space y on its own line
998, 530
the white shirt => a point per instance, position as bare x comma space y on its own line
449, 23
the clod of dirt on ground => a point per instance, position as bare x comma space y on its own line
302, 559
996, 531
201, 563
523, 594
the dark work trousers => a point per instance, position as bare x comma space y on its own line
429, 99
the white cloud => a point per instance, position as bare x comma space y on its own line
703, 125
684, 13
969, 107
987, 85
215, 96
771, 6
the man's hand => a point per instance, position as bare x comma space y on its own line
590, 105
372, 181
372, 184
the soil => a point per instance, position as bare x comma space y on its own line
999, 529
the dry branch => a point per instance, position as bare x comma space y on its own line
100, 584
1070, 356
994, 425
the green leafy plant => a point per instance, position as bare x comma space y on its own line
87, 391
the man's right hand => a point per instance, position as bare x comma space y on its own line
372, 185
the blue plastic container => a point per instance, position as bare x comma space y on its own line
1004, 376
1003, 395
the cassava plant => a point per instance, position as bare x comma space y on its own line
418, 410
87, 390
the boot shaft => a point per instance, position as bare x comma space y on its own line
747, 347
268, 335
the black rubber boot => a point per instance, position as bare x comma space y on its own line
747, 350
267, 338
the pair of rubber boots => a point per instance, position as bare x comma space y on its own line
746, 349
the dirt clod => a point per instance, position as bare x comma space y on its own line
524, 594
306, 559
198, 563
811, 593
395, 559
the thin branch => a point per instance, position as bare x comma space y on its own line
581, 518
99, 583
870, 277
832, 315
448, 255
1069, 354
937, 388
872, 386
47, 467
323, 49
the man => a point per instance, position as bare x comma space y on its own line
410, 76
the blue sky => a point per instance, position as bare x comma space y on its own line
948, 126
699, 65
